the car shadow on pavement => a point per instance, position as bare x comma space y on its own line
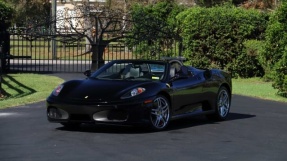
202, 120
174, 125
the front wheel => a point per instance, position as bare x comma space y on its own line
222, 105
160, 113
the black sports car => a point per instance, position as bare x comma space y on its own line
131, 92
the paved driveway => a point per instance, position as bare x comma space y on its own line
255, 131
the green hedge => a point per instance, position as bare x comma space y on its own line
217, 36
154, 29
275, 51
280, 78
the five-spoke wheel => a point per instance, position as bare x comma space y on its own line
160, 113
222, 106
223, 102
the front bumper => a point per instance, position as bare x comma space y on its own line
124, 113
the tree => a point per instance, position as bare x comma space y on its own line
27, 9
98, 25
101, 25
6, 13
155, 27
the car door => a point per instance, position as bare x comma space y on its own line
187, 94
210, 87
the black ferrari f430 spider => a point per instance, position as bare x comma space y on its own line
133, 92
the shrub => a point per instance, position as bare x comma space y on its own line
274, 54
280, 72
214, 37
154, 28
253, 50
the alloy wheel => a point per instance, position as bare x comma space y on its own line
160, 113
223, 103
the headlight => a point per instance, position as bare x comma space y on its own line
57, 90
133, 92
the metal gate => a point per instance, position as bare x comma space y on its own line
35, 54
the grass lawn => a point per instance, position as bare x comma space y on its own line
20, 89
256, 87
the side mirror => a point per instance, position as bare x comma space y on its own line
88, 73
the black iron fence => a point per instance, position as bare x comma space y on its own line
37, 54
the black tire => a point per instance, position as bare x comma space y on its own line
222, 106
160, 113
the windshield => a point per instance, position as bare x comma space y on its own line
133, 70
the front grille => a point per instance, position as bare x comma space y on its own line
80, 117
117, 115
111, 116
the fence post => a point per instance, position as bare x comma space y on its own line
54, 28
5, 52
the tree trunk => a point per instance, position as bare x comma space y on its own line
97, 56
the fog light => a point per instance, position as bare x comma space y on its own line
57, 113
100, 116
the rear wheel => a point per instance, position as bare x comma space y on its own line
222, 105
160, 113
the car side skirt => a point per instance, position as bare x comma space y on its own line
195, 113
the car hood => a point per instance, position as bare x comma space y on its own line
98, 90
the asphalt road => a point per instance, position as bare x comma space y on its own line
255, 131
